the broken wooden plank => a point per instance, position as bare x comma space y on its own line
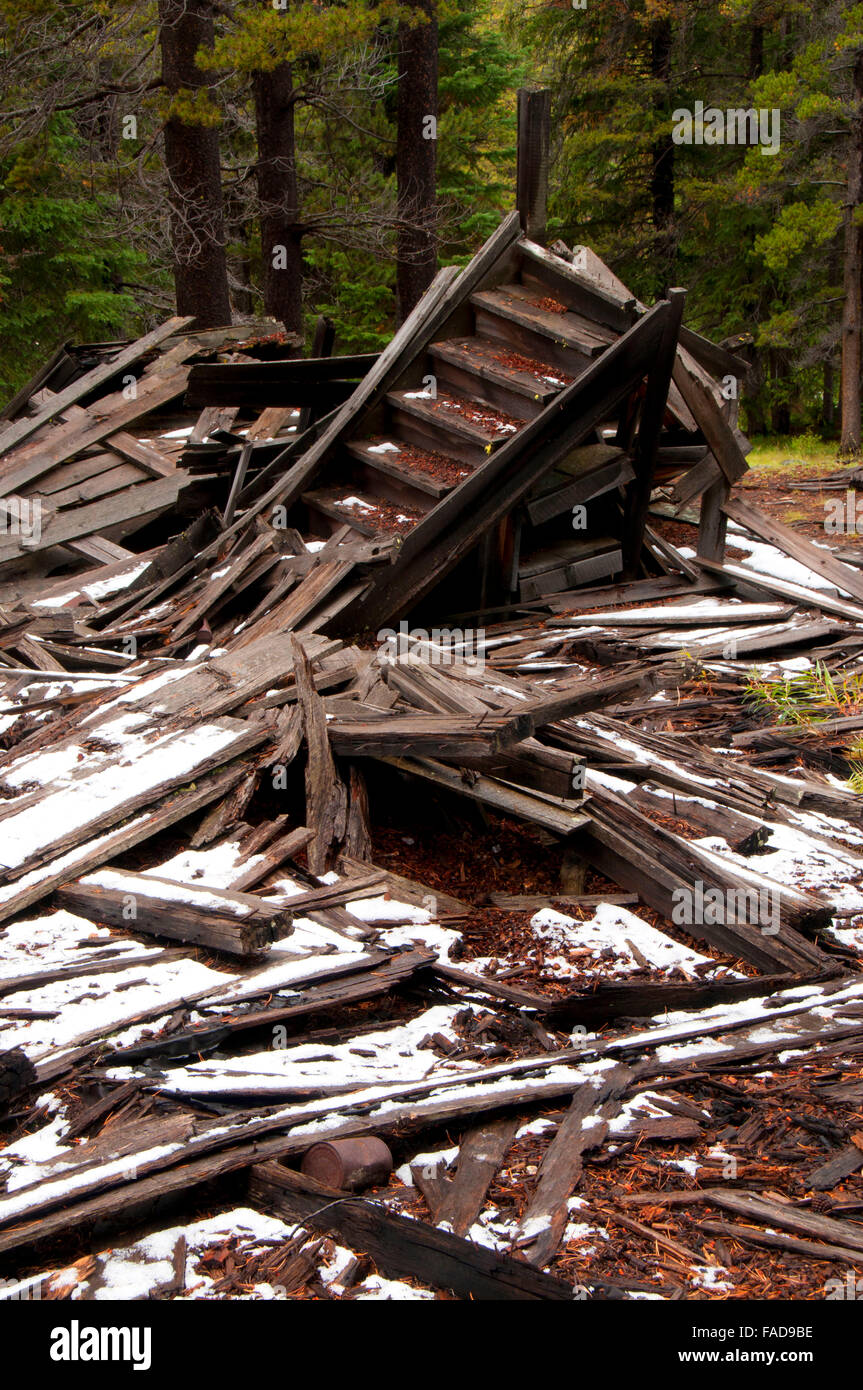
326, 794
799, 547
399, 1246
90, 381
555, 817
480, 1155
546, 1213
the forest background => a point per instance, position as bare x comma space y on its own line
288, 158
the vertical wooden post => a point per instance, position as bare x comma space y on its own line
649, 430
534, 129
322, 346
713, 522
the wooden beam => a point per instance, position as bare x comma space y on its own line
649, 429
534, 126
480, 1155
712, 423
814, 557
235, 923
713, 522
400, 1246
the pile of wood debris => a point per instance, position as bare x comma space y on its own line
373, 768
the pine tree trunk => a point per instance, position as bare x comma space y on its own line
756, 51
828, 408
780, 408
239, 263
416, 157
662, 154
851, 318
194, 170
278, 197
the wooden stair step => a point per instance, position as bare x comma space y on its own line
565, 281
370, 516
484, 370
563, 552
567, 565
513, 315
538, 298
457, 415
431, 474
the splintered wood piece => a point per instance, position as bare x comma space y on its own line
274, 856
326, 794
772, 1240
433, 1184
808, 1223
334, 894
562, 1166
358, 839
227, 813
289, 725
847, 1161
480, 1156
83, 385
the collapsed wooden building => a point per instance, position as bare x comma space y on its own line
288, 648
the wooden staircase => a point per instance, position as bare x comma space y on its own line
475, 392
507, 437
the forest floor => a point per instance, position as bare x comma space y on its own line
776, 464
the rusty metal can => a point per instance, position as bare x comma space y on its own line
349, 1164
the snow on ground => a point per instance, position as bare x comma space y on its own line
792, 860
766, 559
216, 867
38, 945
147, 1267
433, 1164
96, 589
709, 1277
389, 1290
386, 1055
613, 939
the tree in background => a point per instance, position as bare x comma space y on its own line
617, 71
853, 238
62, 274
810, 251
67, 270
296, 120
314, 77
278, 195
758, 240
416, 154
192, 164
